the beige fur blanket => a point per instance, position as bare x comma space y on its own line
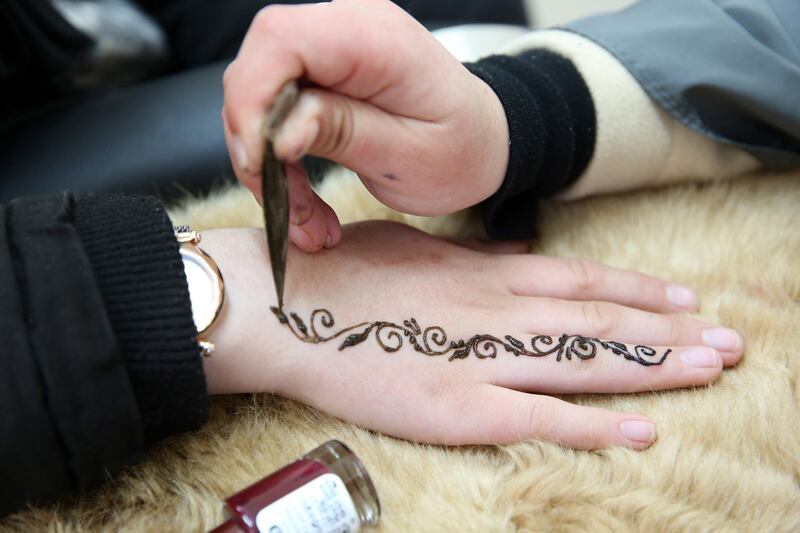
728, 456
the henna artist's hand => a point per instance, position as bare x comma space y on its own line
389, 272
387, 100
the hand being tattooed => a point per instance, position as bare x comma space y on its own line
544, 326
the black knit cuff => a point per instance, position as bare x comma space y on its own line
134, 255
552, 128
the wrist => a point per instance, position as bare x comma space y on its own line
551, 132
492, 146
248, 355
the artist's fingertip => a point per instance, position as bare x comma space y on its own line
304, 239
286, 147
300, 130
333, 227
239, 154
293, 149
336, 236
302, 201
300, 238
309, 138
333, 239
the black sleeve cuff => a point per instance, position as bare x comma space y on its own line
134, 255
552, 128
69, 411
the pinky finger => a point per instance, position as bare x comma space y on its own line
506, 416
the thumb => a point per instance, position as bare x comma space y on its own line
351, 132
312, 223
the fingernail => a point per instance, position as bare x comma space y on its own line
700, 357
290, 135
300, 129
301, 136
308, 104
681, 296
239, 153
638, 430
328, 241
723, 339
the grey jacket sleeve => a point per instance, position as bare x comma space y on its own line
729, 69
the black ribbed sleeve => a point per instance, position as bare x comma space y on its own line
134, 254
552, 128
99, 353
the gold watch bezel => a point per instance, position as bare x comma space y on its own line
191, 252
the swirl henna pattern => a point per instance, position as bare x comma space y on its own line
432, 341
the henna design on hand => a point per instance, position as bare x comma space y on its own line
432, 341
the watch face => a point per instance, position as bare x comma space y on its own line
205, 287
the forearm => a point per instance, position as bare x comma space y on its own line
723, 68
580, 124
668, 98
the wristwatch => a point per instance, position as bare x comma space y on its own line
206, 286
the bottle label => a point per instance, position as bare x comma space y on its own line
322, 505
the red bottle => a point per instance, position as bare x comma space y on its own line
328, 490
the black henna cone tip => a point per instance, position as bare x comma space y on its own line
279, 314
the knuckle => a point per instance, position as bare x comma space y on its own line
683, 330
450, 392
674, 329
269, 19
228, 74
339, 130
600, 318
594, 434
584, 274
453, 408
538, 420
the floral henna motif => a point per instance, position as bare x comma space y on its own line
432, 341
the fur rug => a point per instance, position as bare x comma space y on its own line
728, 456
